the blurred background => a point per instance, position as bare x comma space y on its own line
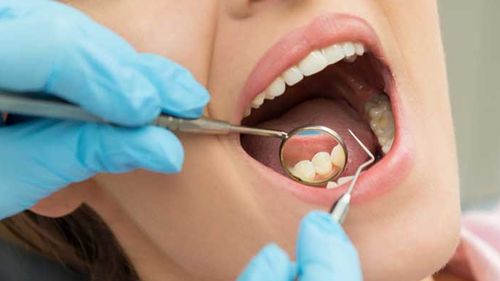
471, 34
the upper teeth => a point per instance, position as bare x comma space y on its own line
313, 63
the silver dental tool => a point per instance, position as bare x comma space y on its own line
292, 143
340, 209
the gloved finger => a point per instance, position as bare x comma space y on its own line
324, 252
87, 64
39, 158
271, 264
186, 97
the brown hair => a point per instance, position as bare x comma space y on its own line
80, 241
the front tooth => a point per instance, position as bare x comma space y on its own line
349, 49
322, 163
331, 185
304, 170
333, 54
313, 63
338, 156
360, 49
293, 76
276, 89
258, 100
343, 180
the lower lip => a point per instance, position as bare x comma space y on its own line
385, 175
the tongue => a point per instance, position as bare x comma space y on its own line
336, 114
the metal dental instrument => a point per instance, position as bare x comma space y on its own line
340, 208
31, 105
291, 142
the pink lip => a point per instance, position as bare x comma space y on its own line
326, 30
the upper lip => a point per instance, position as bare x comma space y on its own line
323, 31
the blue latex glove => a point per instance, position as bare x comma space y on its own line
46, 46
324, 253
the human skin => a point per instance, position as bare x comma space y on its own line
208, 221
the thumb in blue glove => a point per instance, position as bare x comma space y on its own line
324, 253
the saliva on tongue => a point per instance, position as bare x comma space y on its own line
335, 114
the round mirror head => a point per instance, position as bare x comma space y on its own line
313, 155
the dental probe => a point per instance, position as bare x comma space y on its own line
31, 105
340, 208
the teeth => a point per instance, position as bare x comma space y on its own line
381, 121
293, 76
322, 163
351, 58
340, 181
259, 100
304, 170
334, 53
387, 146
338, 156
349, 49
315, 62
360, 49
331, 185
276, 89
248, 112
343, 180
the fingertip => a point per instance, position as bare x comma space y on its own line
180, 93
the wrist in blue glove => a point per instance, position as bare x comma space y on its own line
324, 253
48, 47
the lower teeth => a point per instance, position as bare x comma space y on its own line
381, 120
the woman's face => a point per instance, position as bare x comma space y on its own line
210, 219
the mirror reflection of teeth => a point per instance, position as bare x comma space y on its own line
381, 121
313, 63
338, 156
304, 170
321, 164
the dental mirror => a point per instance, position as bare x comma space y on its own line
313, 155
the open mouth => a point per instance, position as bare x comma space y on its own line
335, 79
339, 87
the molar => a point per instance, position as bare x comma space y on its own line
322, 163
304, 170
338, 156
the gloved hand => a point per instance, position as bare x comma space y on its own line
324, 253
46, 46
